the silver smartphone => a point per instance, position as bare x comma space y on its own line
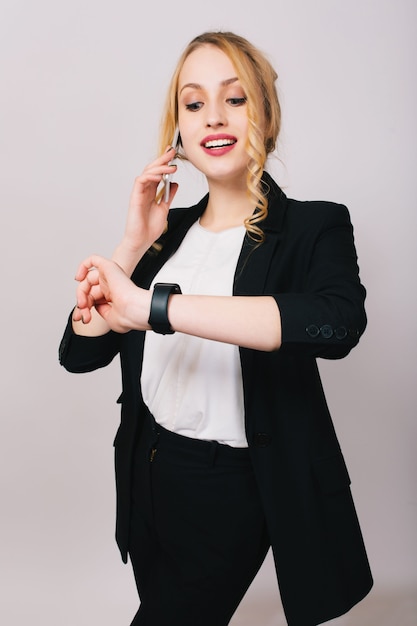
168, 177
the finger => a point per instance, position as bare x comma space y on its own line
166, 156
92, 262
81, 315
77, 314
92, 276
89, 290
86, 301
84, 298
152, 177
82, 270
163, 161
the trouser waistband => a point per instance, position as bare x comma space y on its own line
196, 451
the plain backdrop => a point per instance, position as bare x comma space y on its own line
82, 89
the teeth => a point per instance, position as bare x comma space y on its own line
218, 143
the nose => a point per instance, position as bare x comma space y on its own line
214, 123
215, 116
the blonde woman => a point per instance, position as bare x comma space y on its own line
219, 312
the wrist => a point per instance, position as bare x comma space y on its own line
136, 309
127, 256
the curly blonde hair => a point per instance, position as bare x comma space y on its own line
257, 77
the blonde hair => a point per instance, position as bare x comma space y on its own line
257, 77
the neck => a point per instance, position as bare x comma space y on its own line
228, 206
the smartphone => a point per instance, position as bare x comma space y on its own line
168, 177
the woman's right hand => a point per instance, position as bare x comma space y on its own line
104, 287
147, 217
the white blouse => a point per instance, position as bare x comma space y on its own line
193, 386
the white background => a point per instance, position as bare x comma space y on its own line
82, 89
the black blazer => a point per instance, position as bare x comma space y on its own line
308, 264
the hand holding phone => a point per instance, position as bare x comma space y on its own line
168, 177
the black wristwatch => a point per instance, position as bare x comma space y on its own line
158, 317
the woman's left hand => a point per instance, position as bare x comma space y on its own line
104, 285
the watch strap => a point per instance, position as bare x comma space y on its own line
158, 317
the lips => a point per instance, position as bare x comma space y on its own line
218, 145
215, 142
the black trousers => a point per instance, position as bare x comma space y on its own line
198, 533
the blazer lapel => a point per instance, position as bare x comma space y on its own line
253, 267
254, 261
180, 221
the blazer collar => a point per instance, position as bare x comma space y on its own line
254, 261
277, 205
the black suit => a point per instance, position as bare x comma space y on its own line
308, 264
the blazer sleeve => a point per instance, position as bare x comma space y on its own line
327, 316
80, 354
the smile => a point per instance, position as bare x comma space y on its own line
218, 143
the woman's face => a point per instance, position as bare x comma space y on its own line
212, 115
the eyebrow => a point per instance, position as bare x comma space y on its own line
223, 83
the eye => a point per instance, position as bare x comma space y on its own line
237, 102
194, 106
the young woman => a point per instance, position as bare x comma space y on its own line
219, 311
